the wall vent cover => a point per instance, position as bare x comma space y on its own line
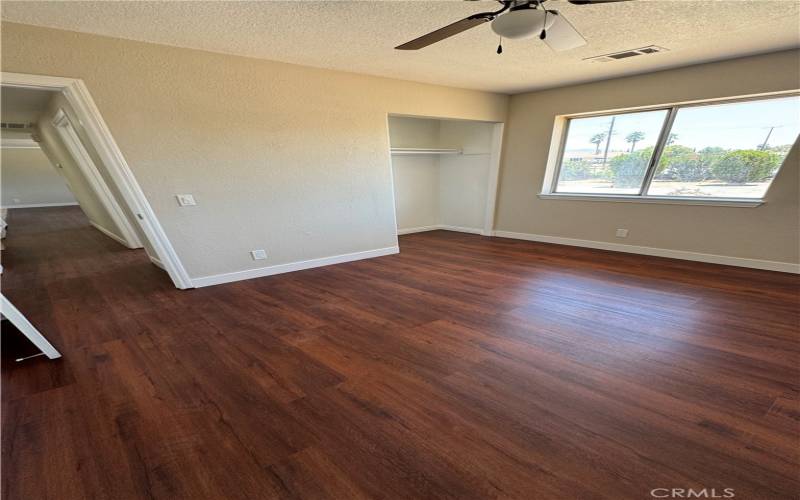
15, 126
625, 54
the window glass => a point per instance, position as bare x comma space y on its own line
609, 154
728, 150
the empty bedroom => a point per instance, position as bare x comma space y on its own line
459, 249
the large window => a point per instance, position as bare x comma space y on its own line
728, 150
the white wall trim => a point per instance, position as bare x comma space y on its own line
666, 200
769, 265
494, 177
41, 205
420, 229
461, 229
108, 233
390, 162
156, 262
444, 227
260, 272
26, 328
77, 94
66, 131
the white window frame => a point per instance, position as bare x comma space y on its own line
559, 139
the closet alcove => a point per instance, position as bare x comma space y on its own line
445, 173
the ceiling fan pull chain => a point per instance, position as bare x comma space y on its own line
500, 46
543, 34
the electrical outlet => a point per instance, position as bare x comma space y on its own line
622, 233
258, 254
185, 200
17, 200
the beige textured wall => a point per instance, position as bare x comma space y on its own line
287, 158
770, 232
411, 132
416, 190
416, 177
28, 176
464, 178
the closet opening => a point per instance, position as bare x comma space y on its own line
445, 173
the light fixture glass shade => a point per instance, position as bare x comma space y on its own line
522, 23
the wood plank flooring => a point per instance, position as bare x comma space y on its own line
464, 367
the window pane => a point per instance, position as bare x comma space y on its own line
727, 150
609, 154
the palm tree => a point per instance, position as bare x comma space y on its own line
633, 138
598, 139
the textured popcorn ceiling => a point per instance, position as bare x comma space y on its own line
360, 36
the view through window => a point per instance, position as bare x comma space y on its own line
729, 150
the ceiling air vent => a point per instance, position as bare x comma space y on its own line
625, 54
15, 126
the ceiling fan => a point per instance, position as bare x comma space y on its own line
517, 19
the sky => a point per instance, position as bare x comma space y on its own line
742, 125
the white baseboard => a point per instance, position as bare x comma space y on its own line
41, 205
109, 234
444, 227
769, 265
420, 229
460, 229
157, 262
260, 272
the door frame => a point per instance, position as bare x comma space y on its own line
77, 95
66, 131
494, 179
26, 328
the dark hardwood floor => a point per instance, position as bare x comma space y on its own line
464, 367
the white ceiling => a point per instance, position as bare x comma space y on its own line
360, 36
22, 105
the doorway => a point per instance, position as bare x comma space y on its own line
76, 214
72, 121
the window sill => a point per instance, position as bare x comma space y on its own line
665, 200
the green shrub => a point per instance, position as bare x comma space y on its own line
576, 170
603, 173
782, 149
746, 165
683, 164
627, 170
710, 154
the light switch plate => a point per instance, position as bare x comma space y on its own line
185, 200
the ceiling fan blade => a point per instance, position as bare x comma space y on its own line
590, 2
562, 35
448, 31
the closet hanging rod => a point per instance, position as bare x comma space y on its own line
424, 151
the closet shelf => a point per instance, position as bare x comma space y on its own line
425, 151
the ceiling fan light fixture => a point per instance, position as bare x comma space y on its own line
522, 23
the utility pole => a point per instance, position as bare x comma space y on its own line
764, 146
608, 139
